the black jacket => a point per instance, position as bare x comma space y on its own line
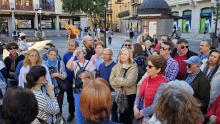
188, 54
201, 87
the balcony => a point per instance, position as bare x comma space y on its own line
23, 7
123, 14
109, 11
47, 7
134, 2
4, 7
118, 2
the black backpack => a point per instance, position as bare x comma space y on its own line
78, 81
141, 62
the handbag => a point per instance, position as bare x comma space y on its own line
64, 85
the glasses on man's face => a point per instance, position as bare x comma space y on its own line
164, 48
150, 66
127, 45
182, 47
46, 48
12, 48
107, 54
189, 65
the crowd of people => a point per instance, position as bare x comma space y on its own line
153, 81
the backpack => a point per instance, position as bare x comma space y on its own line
121, 98
141, 62
77, 82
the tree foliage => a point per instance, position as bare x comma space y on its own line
216, 12
87, 6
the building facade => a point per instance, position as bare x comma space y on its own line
23, 15
197, 17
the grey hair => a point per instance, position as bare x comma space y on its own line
127, 40
208, 41
53, 49
109, 50
85, 38
83, 50
182, 85
76, 43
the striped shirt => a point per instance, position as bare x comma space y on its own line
47, 107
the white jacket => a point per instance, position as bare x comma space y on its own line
215, 84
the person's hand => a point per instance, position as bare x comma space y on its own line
53, 75
136, 112
50, 89
75, 52
212, 118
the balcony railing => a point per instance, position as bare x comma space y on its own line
109, 11
133, 2
23, 7
4, 7
123, 14
47, 7
118, 2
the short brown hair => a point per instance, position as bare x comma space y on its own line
159, 62
95, 100
138, 50
9, 45
177, 106
99, 43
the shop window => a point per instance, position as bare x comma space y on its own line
186, 24
205, 20
47, 23
63, 22
24, 23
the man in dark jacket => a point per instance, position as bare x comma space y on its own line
198, 81
146, 37
180, 53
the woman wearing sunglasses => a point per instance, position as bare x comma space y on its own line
11, 63
124, 75
212, 71
151, 86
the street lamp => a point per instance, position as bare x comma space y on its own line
105, 6
216, 24
39, 11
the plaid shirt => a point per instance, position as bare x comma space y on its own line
191, 77
172, 69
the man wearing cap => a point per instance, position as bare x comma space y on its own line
198, 81
180, 53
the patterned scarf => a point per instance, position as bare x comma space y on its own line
13, 58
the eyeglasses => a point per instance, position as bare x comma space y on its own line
164, 48
127, 44
46, 48
189, 65
150, 66
182, 47
12, 48
107, 54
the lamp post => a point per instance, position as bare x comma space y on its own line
216, 24
105, 6
39, 11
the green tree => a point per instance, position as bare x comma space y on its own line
90, 7
216, 11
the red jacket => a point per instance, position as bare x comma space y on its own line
215, 110
149, 88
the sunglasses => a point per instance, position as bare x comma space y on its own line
46, 48
182, 47
150, 66
12, 48
189, 65
164, 48
127, 44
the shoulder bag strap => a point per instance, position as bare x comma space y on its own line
87, 64
59, 66
78, 64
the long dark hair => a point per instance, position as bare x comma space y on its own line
34, 74
138, 50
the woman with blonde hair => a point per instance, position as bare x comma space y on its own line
212, 71
124, 76
32, 58
147, 51
177, 106
96, 102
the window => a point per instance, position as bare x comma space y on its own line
47, 5
24, 4
63, 22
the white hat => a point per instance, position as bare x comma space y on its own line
22, 34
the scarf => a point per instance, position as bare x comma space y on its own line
211, 73
53, 64
13, 58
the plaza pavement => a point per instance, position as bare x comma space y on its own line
61, 45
